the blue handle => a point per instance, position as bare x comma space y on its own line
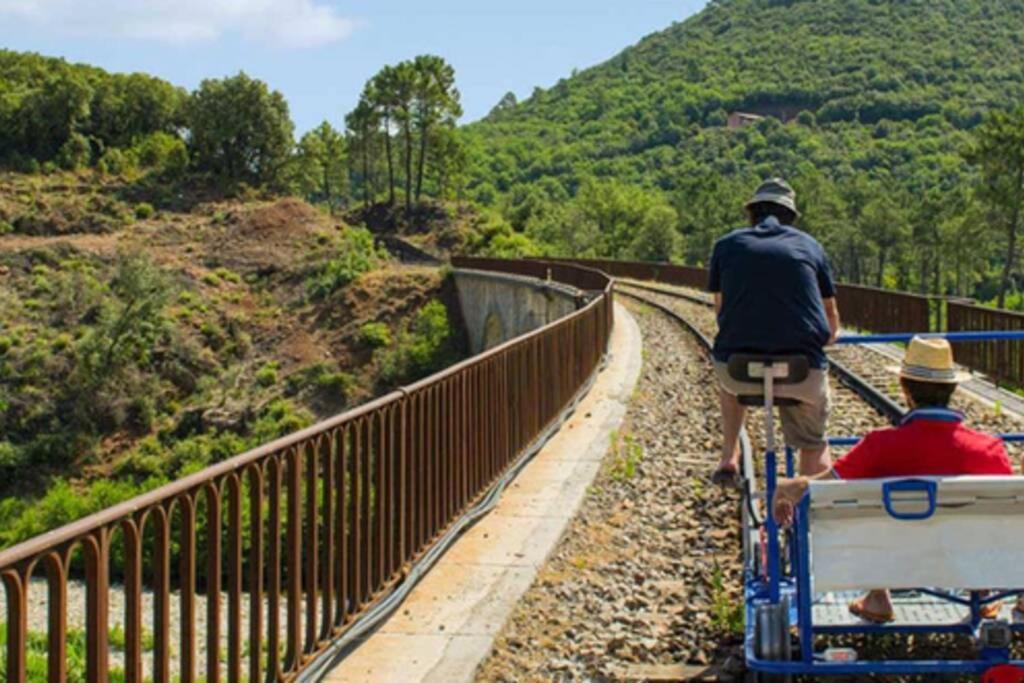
909, 486
993, 335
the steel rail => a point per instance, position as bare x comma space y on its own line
881, 402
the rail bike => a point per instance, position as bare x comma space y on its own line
945, 546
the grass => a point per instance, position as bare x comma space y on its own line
36, 663
726, 612
628, 456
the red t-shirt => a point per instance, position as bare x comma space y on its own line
929, 442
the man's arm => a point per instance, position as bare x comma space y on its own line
832, 314
718, 303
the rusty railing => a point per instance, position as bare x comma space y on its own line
883, 310
1003, 361
304, 534
869, 308
667, 273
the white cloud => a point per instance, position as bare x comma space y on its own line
282, 23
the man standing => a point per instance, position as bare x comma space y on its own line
774, 294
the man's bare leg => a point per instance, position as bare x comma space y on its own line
732, 421
815, 461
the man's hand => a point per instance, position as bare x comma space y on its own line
782, 510
788, 493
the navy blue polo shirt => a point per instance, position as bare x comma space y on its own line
772, 279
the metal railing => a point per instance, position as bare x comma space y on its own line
667, 273
869, 308
1001, 360
883, 310
307, 533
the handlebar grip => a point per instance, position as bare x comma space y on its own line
910, 486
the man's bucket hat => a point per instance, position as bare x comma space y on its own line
776, 191
930, 359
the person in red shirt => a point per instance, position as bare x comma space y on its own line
930, 440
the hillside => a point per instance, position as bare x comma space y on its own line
863, 100
138, 344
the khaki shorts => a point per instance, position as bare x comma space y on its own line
803, 425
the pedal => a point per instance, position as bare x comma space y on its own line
995, 636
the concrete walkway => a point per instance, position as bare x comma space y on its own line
447, 625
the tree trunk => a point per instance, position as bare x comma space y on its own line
391, 166
1008, 267
421, 162
366, 171
1011, 243
881, 268
408, 167
922, 274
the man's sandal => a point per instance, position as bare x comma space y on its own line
858, 609
726, 477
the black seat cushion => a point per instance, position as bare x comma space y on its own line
759, 401
798, 367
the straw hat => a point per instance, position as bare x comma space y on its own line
775, 191
930, 359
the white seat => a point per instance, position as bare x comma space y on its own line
972, 540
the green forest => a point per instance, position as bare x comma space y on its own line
873, 109
894, 120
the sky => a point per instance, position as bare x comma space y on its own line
319, 53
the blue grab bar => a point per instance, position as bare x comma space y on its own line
854, 440
994, 335
909, 486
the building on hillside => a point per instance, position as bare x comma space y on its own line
738, 119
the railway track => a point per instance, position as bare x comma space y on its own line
864, 371
646, 580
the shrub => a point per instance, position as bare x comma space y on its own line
267, 375
213, 334
356, 255
115, 162
11, 458
163, 153
75, 153
424, 348
228, 275
144, 210
340, 383
375, 335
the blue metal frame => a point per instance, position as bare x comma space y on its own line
795, 585
854, 440
798, 589
998, 335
